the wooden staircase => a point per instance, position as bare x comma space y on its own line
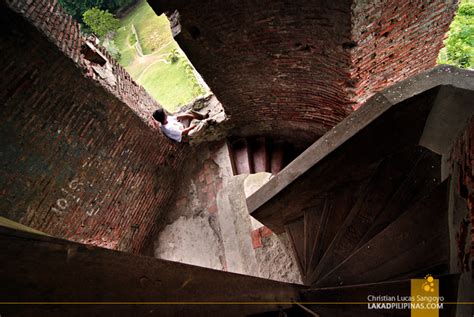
335, 242
257, 154
377, 202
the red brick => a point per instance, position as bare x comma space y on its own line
202, 176
209, 178
211, 195
256, 239
212, 209
265, 232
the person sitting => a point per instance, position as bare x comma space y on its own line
179, 127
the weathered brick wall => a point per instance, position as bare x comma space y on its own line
76, 161
278, 67
60, 29
394, 40
299, 67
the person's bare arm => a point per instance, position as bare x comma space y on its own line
154, 124
185, 116
186, 131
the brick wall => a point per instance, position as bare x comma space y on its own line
76, 161
299, 67
393, 40
278, 67
60, 29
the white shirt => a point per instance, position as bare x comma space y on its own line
173, 128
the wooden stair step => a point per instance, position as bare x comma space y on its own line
336, 208
436, 269
404, 246
296, 233
313, 218
259, 155
277, 157
365, 210
448, 288
316, 220
408, 263
240, 157
422, 179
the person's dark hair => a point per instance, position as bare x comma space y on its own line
159, 115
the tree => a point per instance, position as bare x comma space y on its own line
117, 4
101, 22
76, 8
459, 46
173, 56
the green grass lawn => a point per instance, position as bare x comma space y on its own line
170, 84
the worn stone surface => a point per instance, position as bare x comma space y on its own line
253, 183
273, 252
191, 240
276, 261
215, 127
196, 207
235, 227
212, 200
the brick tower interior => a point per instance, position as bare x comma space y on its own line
317, 96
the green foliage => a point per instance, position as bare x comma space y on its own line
85, 29
466, 9
101, 22
114, 5
132, 40
459, 46
112, 49
197, 88
173, 56
77, 8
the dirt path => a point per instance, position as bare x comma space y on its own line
138, 46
